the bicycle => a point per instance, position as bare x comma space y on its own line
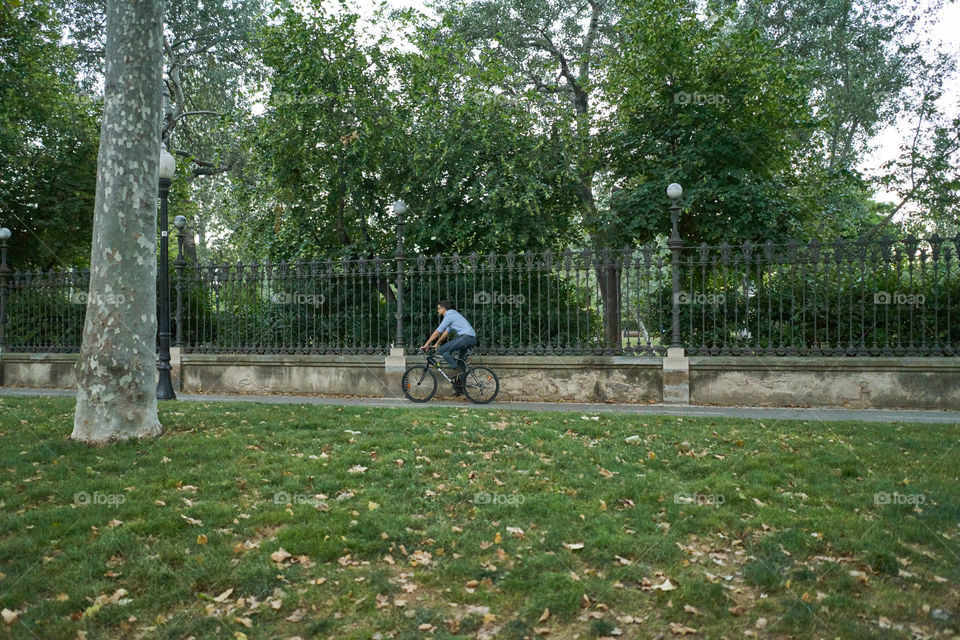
479, 384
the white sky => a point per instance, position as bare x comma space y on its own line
946, 29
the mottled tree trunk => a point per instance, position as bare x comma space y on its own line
117, 369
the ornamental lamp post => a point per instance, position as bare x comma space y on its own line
168, 167
674, 191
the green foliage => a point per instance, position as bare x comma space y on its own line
48, 141
716, 108
354, 122
489, 172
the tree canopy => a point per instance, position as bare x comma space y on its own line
48, 141
505, 124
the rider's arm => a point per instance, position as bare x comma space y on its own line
436, 336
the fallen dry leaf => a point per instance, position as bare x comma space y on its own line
666, 585
680, 630
280, 555
223, 596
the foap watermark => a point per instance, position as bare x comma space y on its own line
883, 497
683, 98
699, 499
484, 297
84, 499
287, 297
110, 299
498, 498
899, 298
282, 497
685, 297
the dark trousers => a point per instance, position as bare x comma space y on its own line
460, 343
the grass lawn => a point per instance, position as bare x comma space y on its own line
267, 521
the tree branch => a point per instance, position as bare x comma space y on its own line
173, 120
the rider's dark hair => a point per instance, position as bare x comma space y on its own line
445, 304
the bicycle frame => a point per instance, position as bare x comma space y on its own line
433, 362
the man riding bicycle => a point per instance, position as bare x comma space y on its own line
466, 337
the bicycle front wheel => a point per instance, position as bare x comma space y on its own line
419, 383
481, 385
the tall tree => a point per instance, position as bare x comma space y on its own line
48, 140
210, 63
116, 371
714, 106
870, 64
353, 121
489, 173
555, 52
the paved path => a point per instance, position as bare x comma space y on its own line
758, 413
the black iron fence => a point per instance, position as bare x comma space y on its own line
877, 298
844, 298
529, 303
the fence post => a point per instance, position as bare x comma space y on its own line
178, 264
676, 366
176, 351
396, 362
400, 208
674, 191
4, 281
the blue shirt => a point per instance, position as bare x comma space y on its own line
455, 321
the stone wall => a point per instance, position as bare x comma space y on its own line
561, 378
916, 383
856, 383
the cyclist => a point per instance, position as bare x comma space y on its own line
466, 338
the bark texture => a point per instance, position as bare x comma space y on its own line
117, 368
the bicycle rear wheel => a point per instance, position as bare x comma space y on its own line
419, 383
481, 385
